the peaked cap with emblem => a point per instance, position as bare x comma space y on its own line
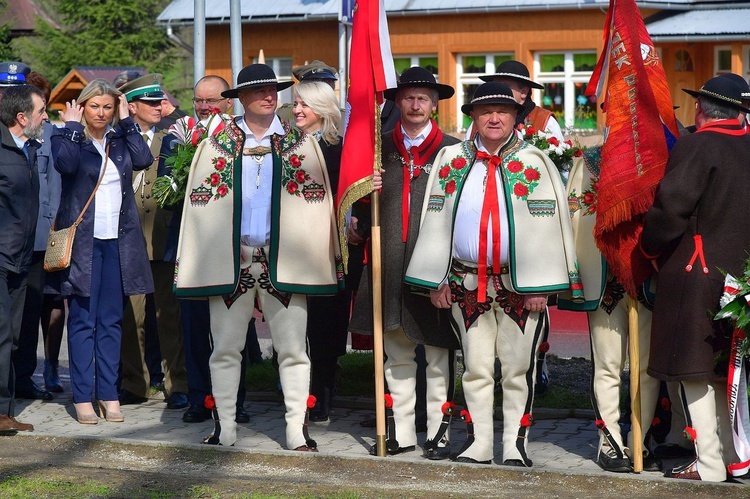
147, 87
492, 92
254, 76
316, 70
723, 90
13, 73
513, 69
421, 78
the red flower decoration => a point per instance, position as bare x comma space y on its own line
215, 179
299, 176
292, 187
515, 166
527, 420
388, 400
520, 190
544, 347
600, 424
531, 174
311, 400
448, 408
458, 163
689, 433
214, 110
450, 187
665, 404
444, 171
221, 163
195, 137
553, 141
656, 421
530, 131
465, 416
219, 128
222, 190
209, 402
578, 153
589, 198
569, 142
295, 161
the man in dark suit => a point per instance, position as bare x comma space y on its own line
22, 114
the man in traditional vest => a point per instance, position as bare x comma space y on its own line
515, 74
409, 319
144, 95
606, 306
258, 222
490, 201
694, 233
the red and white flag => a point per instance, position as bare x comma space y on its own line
640, 123
371, 72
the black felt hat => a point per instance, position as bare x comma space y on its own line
723, 90
492, 92
741, 82
253, 76
422, 78
513, 69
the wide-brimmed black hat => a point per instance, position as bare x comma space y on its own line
723, 90
492, 92
253, 76
741, 82
513, 69
422, 78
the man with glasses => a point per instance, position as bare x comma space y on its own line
161, 309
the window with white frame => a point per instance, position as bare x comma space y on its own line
282, 66
565, 76
722, 60
470, 68
426, 61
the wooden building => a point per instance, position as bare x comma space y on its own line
559, 40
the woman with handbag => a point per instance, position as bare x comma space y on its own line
96, 153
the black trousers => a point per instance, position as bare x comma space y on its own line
12, 296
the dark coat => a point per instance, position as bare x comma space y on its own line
19, 202
702, 193
79, 163
421, 320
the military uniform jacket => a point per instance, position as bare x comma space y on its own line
304, 255
541, 251
154, 220
701, 197
421, 320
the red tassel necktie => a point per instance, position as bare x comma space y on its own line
490, 210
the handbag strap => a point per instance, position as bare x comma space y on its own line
93, 193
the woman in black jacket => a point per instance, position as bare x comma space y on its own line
109, 257
316, 111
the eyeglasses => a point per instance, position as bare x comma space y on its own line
203, 102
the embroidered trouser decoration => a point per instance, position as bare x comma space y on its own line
527, 419
466, 418
247, 281
215, 437
391, 444
309, 442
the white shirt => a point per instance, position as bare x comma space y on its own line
108, 198
255, 227
469, 215
416, 141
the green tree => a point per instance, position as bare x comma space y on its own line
101, 33
6, 52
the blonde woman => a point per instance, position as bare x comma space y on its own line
109, 257
316, 111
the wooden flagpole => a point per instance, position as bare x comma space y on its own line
377, 323
635, 384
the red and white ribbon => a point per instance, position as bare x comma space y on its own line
739, 415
